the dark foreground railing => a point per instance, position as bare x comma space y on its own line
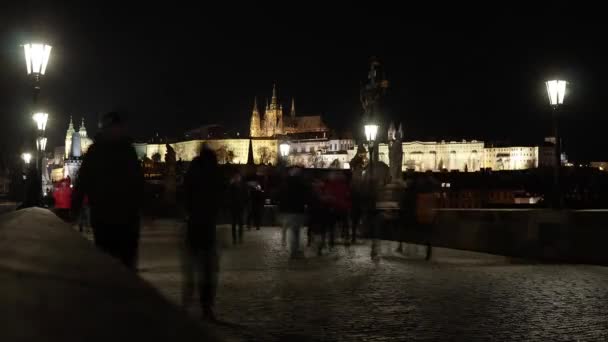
577, 236
55, 286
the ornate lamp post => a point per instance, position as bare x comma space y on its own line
371, 130
41, 120
36, 58
556, 91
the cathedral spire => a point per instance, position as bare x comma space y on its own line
255, 104
71, 125
273, 101
255, 127
293, 107
83, 130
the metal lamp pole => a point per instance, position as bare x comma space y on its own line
36, 59
556, 90
371, 130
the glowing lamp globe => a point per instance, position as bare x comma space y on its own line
556, 90
37, 57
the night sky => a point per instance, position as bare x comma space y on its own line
455, 73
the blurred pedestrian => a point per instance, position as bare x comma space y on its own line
318, 218
339, 203
294, 197
237, 201
62, 194
112, 179
85, 215
203, 186
256, 205
33, 189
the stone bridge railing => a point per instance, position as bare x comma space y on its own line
55, 286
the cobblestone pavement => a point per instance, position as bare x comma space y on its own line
345, 296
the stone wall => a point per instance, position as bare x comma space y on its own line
569, 235
265, 151
233, 151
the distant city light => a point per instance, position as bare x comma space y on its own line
41, 120
37, 57
556, 90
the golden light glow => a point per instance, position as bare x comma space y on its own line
37, 57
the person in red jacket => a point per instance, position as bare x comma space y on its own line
62, 194
338, 192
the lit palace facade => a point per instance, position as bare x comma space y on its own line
463, 156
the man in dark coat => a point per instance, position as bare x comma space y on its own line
111, 177
203, 186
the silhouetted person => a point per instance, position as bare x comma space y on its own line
33, 189
237, 201
256, 205
62, 195
338, 192
294, 197
111, 177
318, 214
203, 187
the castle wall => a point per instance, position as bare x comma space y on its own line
234, 151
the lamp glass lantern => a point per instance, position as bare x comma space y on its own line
556, 90
371, 130
41, 143
41, 120
27, 157
36, 57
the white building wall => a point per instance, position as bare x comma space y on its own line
511, 158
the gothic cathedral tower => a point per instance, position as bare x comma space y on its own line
255, 129
270, 117
68, 139
272, 122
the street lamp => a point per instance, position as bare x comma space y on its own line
36, 60
27, 157
37, 57
371, 130
556, 91
41, 144
41, 120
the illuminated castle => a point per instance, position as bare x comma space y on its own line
274, 124
79, 137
